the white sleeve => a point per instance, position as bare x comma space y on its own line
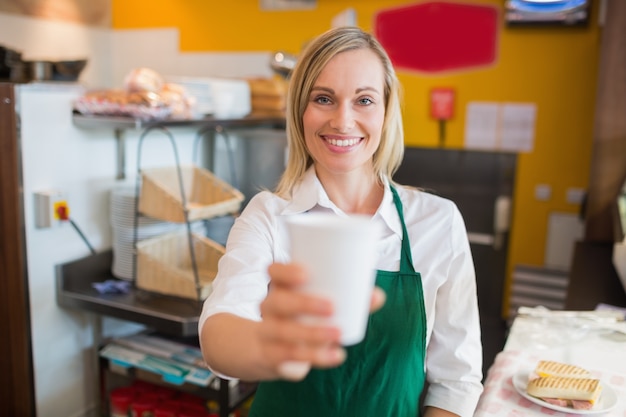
454, 354
242, 279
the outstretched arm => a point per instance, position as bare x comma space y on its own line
254, 350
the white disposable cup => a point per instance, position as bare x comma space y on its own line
340, 256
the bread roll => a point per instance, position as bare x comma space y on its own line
552, 368
585, 389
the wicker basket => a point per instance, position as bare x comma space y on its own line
164, 265
206, 195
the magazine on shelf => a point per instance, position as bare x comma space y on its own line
163, 348
172, 371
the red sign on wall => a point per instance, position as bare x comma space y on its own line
442, 103
435, 36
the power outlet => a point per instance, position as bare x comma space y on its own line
51, 209
543, 192
575, 195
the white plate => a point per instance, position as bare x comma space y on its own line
606, 402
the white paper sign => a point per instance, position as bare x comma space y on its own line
481, 125
518, 127
500, 126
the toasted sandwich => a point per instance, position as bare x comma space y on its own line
552, 368
576, 393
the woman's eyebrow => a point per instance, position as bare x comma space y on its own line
357, 91
367, 88
320, 88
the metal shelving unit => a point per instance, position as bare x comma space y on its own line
163, 314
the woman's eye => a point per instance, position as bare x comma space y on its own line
366, 101
322, 100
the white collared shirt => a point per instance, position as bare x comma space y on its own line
441, 254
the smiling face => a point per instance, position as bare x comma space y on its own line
344, 116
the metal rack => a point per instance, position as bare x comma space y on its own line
208, 125
164, 314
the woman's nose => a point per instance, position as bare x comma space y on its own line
342, 118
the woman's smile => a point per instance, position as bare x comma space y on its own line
343, 142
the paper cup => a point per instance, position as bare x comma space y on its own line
340, 255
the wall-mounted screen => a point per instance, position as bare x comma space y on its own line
547, 12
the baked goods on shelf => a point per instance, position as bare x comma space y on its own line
268, 94
145, 96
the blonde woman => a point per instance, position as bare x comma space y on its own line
345, 141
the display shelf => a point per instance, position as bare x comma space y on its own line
207, 125
256, 119
165, 314
234, 396
169, 316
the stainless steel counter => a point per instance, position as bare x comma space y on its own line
164, 314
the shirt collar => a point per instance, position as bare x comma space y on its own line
387, 211
310, 193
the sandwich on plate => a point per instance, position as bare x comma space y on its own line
576, 393
564, 385
552, 368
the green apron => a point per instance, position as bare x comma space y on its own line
382, 376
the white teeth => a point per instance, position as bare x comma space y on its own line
343, 142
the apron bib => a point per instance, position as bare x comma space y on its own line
382, 376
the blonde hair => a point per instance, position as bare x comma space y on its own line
311, 62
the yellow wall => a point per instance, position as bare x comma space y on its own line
553, 67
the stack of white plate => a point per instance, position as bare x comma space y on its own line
123, 222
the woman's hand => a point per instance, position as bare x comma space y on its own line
287, 342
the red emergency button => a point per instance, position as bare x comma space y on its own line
438, 36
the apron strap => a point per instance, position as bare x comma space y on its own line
406, 259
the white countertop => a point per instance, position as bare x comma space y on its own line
591, 344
